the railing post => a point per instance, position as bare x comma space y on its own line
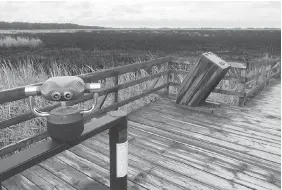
115, 97
257, 72
167, 68
279, 69
118, 153
267, 73
242, 87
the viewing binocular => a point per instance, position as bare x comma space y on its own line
64, 123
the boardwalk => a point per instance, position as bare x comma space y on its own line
174, 148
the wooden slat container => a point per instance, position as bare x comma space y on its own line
205, 75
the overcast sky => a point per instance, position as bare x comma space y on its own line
137, 13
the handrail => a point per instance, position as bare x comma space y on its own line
186, 60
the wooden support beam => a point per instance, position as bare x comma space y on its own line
115, 82
242, 89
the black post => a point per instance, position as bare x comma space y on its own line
118, 153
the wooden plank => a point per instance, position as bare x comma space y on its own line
221, 139
161, 175
187, 169
210, 162
18, 93
259, 171
86, 167
203, 131
25, 159
19, 182
38, 181
245, 114
55, 181
200, 108
144, 169
70, 175
100, 158
225, 119
265, 121
244, 155
92, 170
210, 123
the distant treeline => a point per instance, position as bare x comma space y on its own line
37, 26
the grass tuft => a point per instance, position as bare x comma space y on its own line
8, 42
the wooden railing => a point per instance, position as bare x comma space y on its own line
253, 72
258, 73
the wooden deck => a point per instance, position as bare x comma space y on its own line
174, 148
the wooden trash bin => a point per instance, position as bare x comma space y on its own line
204, 76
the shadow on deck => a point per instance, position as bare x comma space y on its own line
175, 148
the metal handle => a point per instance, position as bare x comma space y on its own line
94, 104
34, 110
92, 88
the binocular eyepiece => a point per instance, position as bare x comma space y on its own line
64, 123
